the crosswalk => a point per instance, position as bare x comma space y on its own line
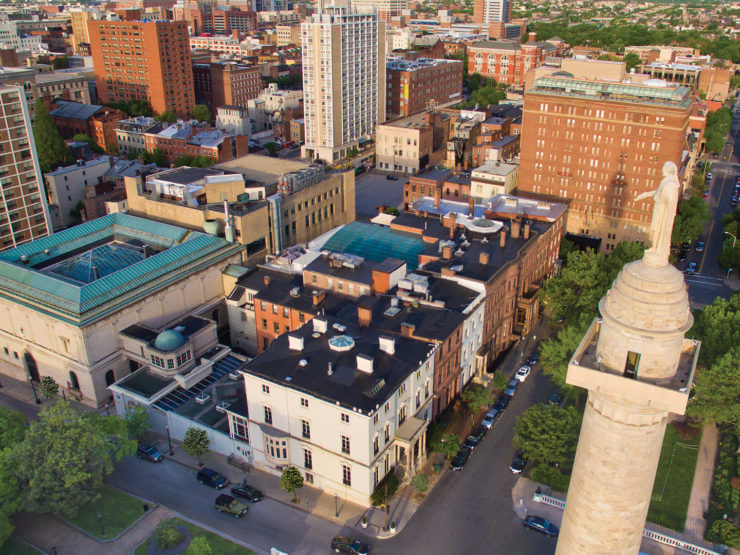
704, 280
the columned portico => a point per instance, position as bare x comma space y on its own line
410, 445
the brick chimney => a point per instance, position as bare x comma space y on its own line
502, 237
407, 330
437, 196
526, 230
516, 227
318, 297
453, 224
364, 316
484, 258
267, 280
471, 206
447, 252
532, 36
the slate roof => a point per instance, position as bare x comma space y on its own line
178, 252
74, 110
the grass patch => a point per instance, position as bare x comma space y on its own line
673, 480
117, 510
219, 545
15, 547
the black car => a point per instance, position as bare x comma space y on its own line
460, 459
475, 437
210, 477
349, 545
149, 453
501, 403
518, 463
245, 491
391, 178
533, 359
541, 525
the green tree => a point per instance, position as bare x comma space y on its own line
83, 138
9, 494
499, 381
692, 214
718, 328
62, 62
51, 148
201, 112
548, 434
137, 422
168, 535
555, 353
632, 60
196, 442
48, 388
291, 480
132, 107
447, 445
65, 456
199, 546
717, 392
13, 427
198, 161
156, 157
166, 117
476, 397
475, 82
420, 482
271, 147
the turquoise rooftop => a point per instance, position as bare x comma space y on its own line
376, 243
678, 96
131, 256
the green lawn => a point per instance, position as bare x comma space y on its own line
218, 544
15, 547
117, 510
673, 480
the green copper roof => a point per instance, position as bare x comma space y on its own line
50, 274
603, 90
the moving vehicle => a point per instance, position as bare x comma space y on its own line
227, 504
518, 463
245, 491
349, 545
522, 374
511, 387
541, 525
149, 453
211, 478
460, 459
490, 418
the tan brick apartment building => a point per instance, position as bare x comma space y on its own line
147, 60
600, 144
507, 62
409, 145
413, 84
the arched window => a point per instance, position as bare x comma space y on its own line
109, 378
504, 60
492, 59
74, 382
31, 367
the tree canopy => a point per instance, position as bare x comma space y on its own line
166, 117
729, 257
477, 397
51, 148
157, 157
291, 480
133, 108
691, 216
717, 127
196, 442
549, 434
198, 161
717, 391
83, 138
48, 388
201, 112
718, 328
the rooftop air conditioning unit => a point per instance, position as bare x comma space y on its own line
202, 398
222, 406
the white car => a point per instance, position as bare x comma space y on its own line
523, 373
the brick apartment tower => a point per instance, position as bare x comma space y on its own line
147, 60
24, 214
599, 144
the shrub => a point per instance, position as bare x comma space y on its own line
385, 490
551, 476
420, 482
199, 546
168, 535
724, 531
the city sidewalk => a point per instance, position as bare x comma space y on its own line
24, 392
702, 487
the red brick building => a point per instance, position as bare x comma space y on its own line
184, 139
507, 62
99, 122
147, 60
412, 85
225, 84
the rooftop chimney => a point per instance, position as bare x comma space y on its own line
365, 364
516, 226
484, 258
526, 230
502, 236
437, 196
319, 325
295, 342
453, 224
471, 206
364, 316
267, 280
387, 344
447, 252
318, 297
407, 330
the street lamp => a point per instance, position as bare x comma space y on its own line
36, 397
336, 506
734, 239
169, 441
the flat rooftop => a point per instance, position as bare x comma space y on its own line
264, 169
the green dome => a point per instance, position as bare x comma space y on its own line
169, 340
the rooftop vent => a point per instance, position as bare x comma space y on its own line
222, 406
365, 364
341, 343
340, 328
295, 292
319, 325
387, 345
303, 363
202, 398
295, 343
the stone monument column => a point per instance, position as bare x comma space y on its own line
637, 367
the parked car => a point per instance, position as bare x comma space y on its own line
210, 477
522, 374
349, 545
533, 358
227, 504
391, 178
690, 268
541, 525
705, 194
490, 418
460, 459
511, 387
245, 491
681, 257
149, 453
555, 398
518, 463
699, 246
475, 437
709, 176
501, 403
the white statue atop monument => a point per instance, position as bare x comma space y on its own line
664, 212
